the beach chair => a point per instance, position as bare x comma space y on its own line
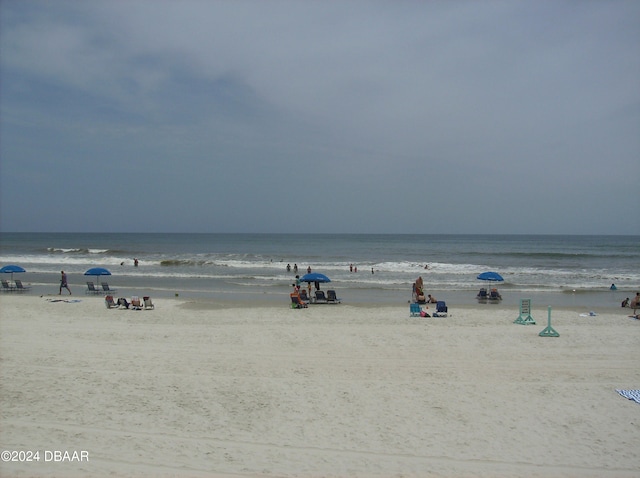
441, 309
20, 287
123, 302
6, 287
332, 298
91, 289
105, 288
320, 297
110, 303
482, 295
415, 309
135, 303
303, 295
147, 303
494, 295
297, 303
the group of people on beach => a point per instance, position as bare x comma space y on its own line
634, 304
418, 293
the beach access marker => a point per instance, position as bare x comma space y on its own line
549, 331
525, 313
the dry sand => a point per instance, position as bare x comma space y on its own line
195, 389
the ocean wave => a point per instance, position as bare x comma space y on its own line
77, 250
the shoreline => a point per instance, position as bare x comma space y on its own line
274, 295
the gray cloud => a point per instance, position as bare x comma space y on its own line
462, 117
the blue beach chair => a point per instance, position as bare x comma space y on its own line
441, 309
332, 298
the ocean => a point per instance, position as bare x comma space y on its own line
549, 269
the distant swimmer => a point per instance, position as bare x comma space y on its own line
613, 287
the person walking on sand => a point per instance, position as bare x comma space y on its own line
63, 283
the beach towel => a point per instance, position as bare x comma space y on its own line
630, 394
590, 314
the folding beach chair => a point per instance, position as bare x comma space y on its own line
6, 287
147, 303
332, 298
110, 303
105, 288
91, 289
441, 309
296, 303
20, 287
414, 310
320, 297
135, 303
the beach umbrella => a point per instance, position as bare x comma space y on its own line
490, 276
97, 271
10, 269
315, 277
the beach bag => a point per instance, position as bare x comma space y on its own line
424, 314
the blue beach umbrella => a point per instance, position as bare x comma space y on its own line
97, 271
315, 277
490, 276
10, 269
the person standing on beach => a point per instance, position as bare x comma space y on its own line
63, 283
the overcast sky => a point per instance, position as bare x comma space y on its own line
313, 116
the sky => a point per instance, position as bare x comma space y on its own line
453, 117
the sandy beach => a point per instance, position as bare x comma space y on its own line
199, 388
